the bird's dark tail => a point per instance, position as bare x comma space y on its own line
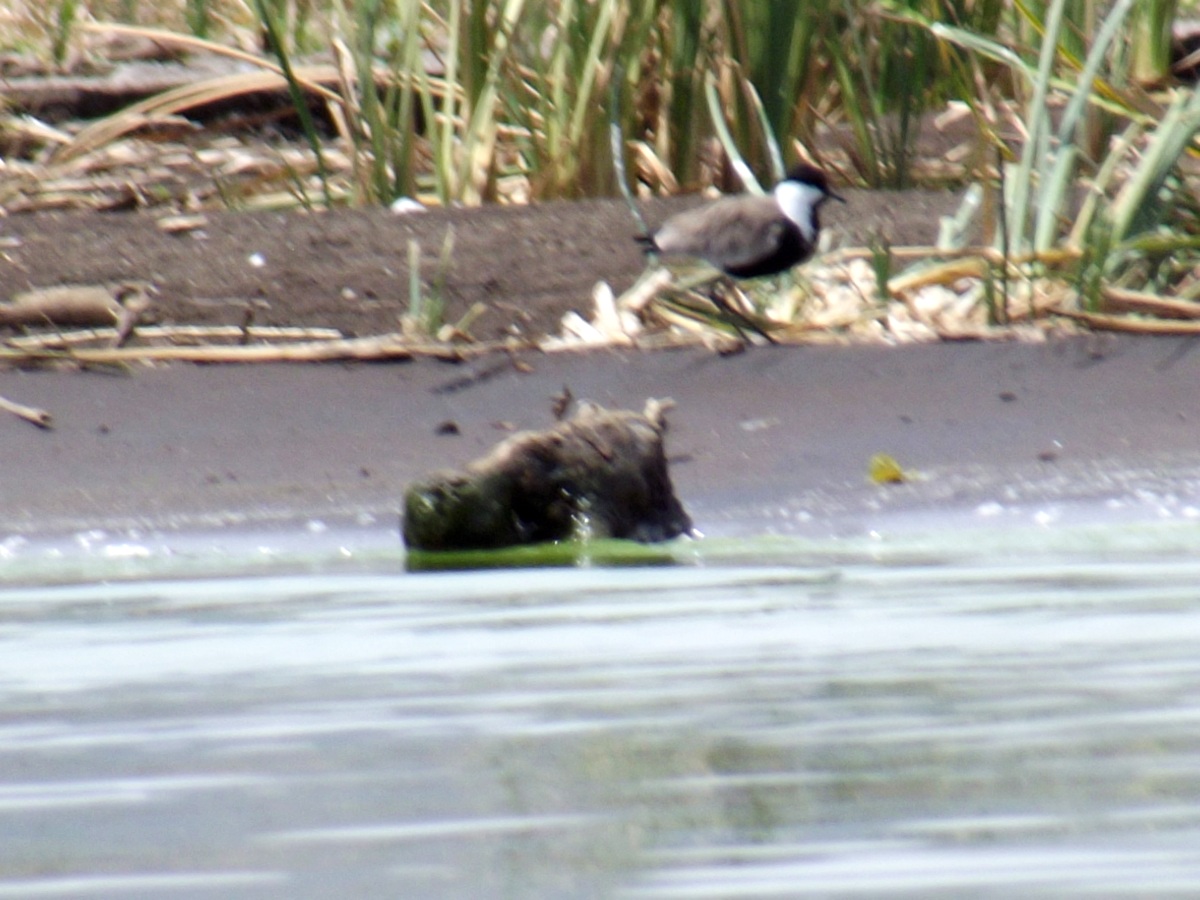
646, 242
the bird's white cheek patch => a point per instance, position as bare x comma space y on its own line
797, 200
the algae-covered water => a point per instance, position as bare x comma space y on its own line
952, 714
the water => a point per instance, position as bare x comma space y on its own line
998, 715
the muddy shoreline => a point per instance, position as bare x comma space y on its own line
777, 438
772, 440
524, 266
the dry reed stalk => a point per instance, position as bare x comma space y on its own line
191, 335
1123, 300
38, 417
367, 349
1129, 325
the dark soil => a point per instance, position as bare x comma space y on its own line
348, 269
781, 428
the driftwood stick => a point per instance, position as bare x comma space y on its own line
193, 335
70, 304
1109, 322
1054, 257
1123, 300
383, 347
38, 417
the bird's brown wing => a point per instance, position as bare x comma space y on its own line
748, 246
730, 233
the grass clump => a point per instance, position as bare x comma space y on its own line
1080, 140
1097, 204
520, 111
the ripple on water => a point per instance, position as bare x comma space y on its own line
874, 719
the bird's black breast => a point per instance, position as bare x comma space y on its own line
787, 248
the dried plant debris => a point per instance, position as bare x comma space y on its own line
33, 414
839, 298
600, 474
75, 305
21, 352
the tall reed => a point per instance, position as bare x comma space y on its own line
1135, 211
527, 87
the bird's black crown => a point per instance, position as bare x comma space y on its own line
809, 175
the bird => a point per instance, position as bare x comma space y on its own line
748, 235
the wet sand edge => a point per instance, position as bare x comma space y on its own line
775, 439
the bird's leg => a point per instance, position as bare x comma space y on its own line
720, 293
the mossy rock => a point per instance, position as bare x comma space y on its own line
600, 474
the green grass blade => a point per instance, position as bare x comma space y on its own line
774, 154
985, 47
1134, 206
617, 148
296, 93
1103, 179
744, 173
480, 137
1056, 168
1037, 125
591, 68
443, 158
